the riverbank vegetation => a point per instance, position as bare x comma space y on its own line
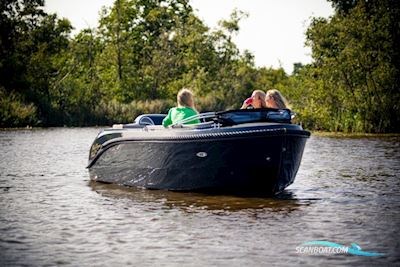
143, 52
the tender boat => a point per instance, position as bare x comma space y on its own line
252, 151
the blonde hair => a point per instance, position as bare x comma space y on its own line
185, 98
279, 99
262, 95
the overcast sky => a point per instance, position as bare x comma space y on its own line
273, 32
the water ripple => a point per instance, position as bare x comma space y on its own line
347, 191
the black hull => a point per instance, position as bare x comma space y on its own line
260, 160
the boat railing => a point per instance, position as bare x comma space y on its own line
201, 116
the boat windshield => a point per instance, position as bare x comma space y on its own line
233, 117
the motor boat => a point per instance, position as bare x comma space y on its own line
249, 152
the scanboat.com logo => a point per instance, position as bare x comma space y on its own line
326, 247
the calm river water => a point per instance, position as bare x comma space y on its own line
347, 191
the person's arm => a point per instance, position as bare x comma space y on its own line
167, 120
247, 103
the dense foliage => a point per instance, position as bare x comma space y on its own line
144, 51
356, 66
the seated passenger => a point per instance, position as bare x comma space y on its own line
257, 100
274, 99
184, 110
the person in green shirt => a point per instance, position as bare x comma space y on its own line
185, 109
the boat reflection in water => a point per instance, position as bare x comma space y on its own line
283, 203
247, 152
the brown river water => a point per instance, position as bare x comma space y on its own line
346, 191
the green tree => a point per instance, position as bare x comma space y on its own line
77, 88
29, 39
131, 31
356, 60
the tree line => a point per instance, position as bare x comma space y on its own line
144, 51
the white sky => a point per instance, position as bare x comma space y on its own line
274, 32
